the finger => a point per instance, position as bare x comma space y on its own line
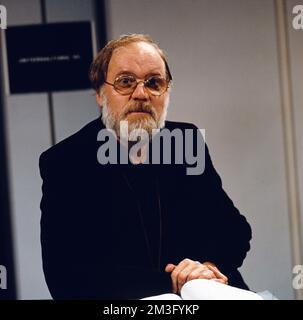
170, 267
197, 271
216, 271
207, 274
201, 270
218, 280
184, 273
218, 274
174, 274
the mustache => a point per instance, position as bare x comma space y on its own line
140, 107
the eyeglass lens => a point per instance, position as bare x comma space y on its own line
156, 85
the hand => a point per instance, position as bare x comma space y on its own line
188, 270
220, 277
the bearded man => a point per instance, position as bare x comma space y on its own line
124, 231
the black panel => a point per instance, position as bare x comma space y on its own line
49, 57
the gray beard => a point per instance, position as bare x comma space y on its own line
149, 124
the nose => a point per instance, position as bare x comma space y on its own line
140, 92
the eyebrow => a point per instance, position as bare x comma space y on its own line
125, 72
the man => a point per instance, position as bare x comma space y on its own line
115, 230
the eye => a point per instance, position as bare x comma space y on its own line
125, 81
156, 83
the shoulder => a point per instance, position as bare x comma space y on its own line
73, 146
171, 125
197, 135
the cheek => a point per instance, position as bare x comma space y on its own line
158, 104
116, 102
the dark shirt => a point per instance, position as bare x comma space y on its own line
144, 185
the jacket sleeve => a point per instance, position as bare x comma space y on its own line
76, 271
229, 234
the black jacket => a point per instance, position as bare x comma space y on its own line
97, 242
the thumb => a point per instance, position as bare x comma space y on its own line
170, 267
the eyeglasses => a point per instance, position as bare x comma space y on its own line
127, 84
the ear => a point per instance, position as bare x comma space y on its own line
99, 99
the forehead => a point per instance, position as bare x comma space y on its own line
139, 58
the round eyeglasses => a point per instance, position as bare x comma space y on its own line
127, 84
